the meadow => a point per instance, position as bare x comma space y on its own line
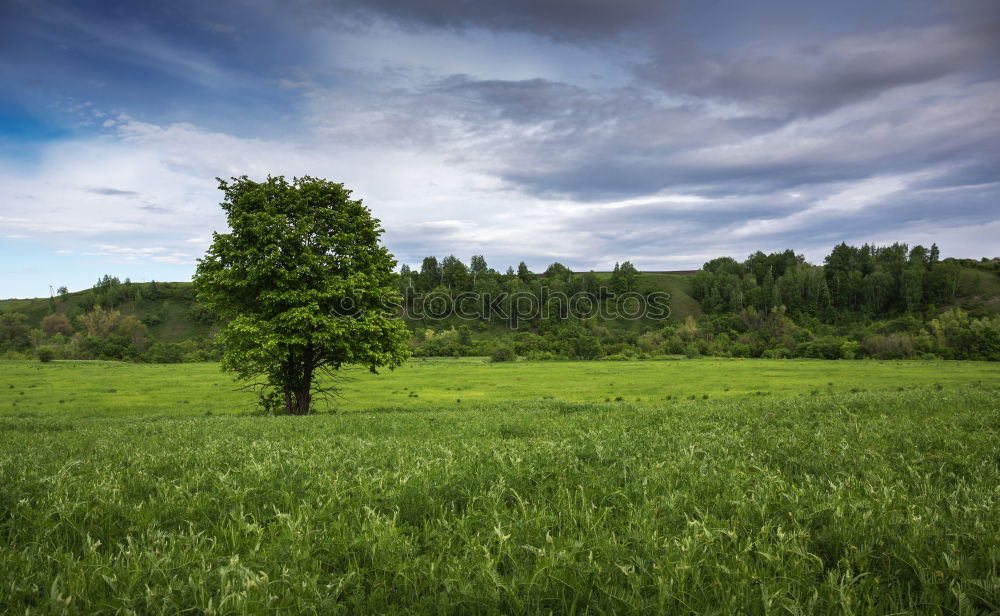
460, 486
85, 388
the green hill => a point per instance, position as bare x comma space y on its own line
173, 318
172, 314
168, 309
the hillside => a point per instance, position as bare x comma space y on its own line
172, 315
168, 309
175, 327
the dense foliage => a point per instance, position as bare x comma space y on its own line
304, 287
884, 302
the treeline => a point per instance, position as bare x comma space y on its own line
451, 276
870, 301
865, 282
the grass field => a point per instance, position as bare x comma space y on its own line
531, 495
84, 388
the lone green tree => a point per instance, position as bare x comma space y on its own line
304, 286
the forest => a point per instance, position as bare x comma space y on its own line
885, 302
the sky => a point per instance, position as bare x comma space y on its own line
588, 132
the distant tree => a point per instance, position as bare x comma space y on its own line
100, 322
935, 256
942, 281
62, 291
430, 274
689, 330
919, 256
133, 329
454, 274
14, 331
912, 286
525, 274
624, 278
558, 271
405, 276
878, 288
406, 283
590, 283
464, 335
57, 324
477, 267
305, 286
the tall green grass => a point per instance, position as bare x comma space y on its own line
861, 503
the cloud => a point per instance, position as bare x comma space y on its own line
664, 133
771, 78
112, 192
583, 19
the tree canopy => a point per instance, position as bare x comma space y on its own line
304, 285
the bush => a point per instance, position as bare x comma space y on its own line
198, 355
890, 346
57, 324
778, 353
165, 353
152, 319
850, 350
503, 354
827, 347
112, 347
46, 354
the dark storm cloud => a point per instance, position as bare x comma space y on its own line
816, 78
555, 139
558, 139
685, 49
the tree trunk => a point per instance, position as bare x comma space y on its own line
300, 400
297, 377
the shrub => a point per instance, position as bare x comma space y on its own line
827, 347
57, 324
850, 350
197, 355
778, 353
890, 346
112, 347
165, 353
46, 354
503, 354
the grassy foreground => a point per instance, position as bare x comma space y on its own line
872, 502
